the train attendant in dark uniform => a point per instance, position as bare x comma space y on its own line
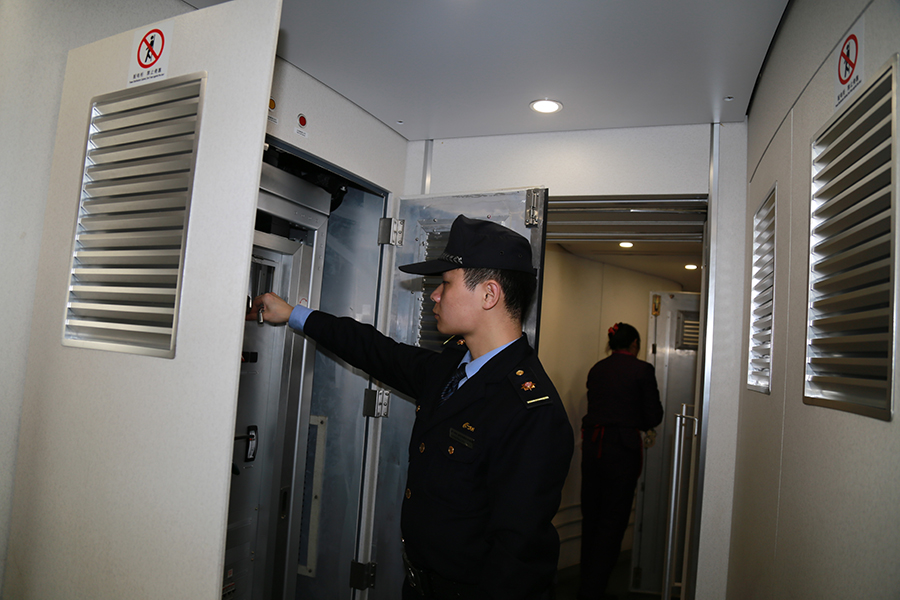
623, 400
491, 444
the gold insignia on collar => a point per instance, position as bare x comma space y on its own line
460, 342
520, 372
467, 426
528, 386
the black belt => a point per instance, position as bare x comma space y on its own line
429, 584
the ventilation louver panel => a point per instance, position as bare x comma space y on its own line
688, 333
125, 281
762, 297
850, 329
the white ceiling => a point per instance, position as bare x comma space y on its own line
433, 69
460, 68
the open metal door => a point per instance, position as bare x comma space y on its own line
336, 430
164, 416
425, 223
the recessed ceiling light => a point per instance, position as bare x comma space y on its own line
546, 106
690, 267
626, 244
729, 98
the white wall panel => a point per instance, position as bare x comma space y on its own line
837, 521
757, 469
646, 160
809, 32
337, 130
725, 372
123, 467
35, 37
570, 345
415, 169
840, 478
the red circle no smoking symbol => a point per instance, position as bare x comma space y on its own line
151, 48
847, 61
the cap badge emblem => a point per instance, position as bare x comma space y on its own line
453, 258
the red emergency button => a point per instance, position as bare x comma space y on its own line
301, 120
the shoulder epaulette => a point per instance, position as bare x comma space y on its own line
529, 389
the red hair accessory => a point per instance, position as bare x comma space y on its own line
614, 329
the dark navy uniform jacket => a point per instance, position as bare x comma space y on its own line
486, 468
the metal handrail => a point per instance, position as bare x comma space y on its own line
675, 500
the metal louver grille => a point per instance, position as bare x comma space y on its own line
762, 297
850, 329
125, 280
688, 334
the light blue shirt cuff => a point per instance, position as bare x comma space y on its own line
298, 317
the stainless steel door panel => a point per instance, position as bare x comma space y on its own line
427, 217
350, 283
269, 406
259, 395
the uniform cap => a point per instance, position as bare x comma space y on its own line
478, 244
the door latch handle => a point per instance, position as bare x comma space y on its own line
252, 438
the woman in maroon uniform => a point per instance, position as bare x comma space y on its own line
623, 400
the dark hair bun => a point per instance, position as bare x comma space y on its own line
622, 335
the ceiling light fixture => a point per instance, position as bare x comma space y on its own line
728, 98
546, 106
626, 244
690, 267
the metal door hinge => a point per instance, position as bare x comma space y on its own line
390, 231
376, 403
362, 575
533, 199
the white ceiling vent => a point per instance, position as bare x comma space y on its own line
125, 280
762, 292
851, 329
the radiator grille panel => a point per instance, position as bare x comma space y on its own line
687, 336
128, 254
850, 329
762, 298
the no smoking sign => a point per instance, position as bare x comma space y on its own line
150, 53
848, 64
849, 58
151, 48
